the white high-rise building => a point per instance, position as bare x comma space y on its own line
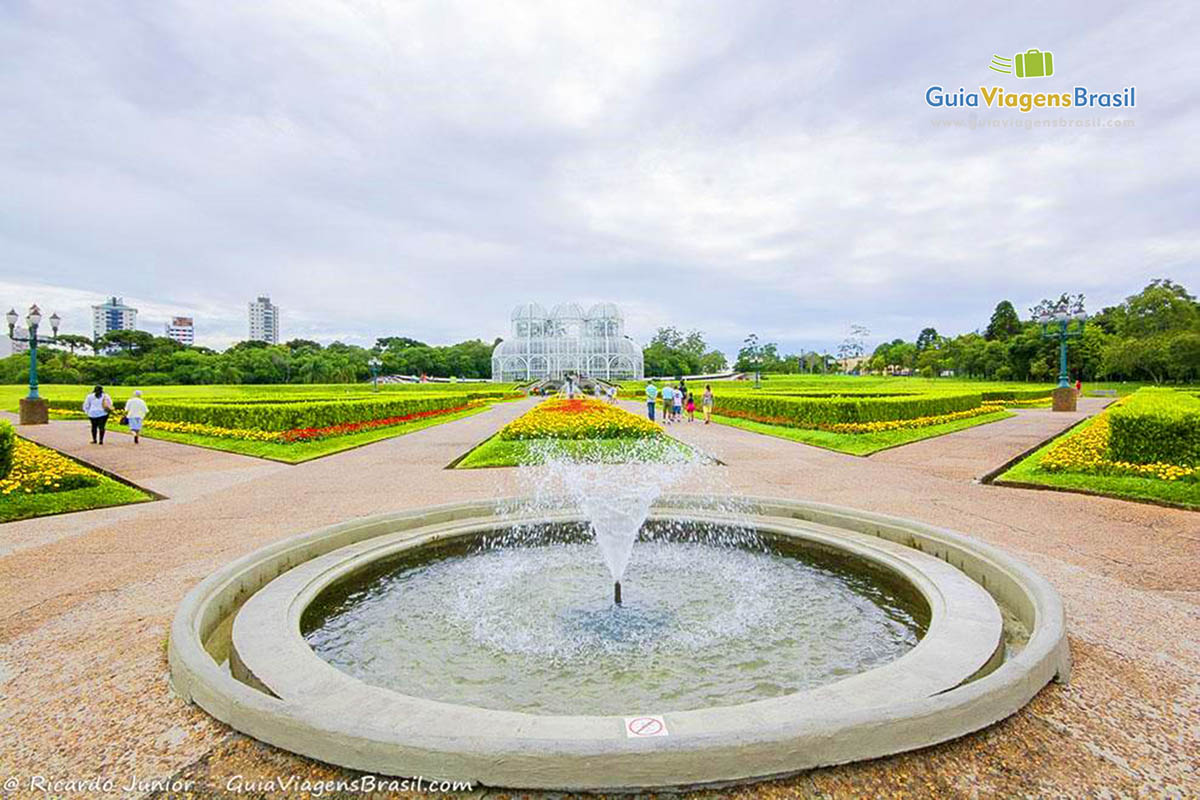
113, 315
264, 320
182, 330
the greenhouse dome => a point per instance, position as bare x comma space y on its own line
567, 341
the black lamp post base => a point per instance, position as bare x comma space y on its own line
35, 411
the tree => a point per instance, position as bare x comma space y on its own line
673, 353
750, 355
73, 341
302, 344
397, 343
712, 362
132, 342
927, 338
1162, 306
1004, 323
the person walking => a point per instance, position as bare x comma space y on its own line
706, 402
1078, 386
98, 405
691, 407
668, 396
135, 413
651, 397
678, 400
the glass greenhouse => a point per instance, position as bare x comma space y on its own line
567, 342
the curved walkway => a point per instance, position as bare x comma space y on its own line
88, 599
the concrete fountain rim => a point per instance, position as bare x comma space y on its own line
912, 702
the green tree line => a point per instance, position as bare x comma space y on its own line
1153, 335
137, 357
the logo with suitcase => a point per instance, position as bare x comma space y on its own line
1032, 63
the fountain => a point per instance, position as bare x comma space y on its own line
756, 637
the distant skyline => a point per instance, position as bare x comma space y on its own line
420, 169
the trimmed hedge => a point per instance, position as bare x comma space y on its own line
494, 394
1156, 426
7, 443
814, 412
289, 415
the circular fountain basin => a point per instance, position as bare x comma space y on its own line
534, 628
935, 621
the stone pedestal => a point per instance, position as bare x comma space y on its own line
1064, 399
35, 412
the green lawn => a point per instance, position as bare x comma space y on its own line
299, 452
1027, 472
497, 452
860, 444
849, 384
11, 393
107, 492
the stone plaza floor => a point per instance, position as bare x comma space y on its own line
88, 598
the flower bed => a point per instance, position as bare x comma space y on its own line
289, 415
1156, 426
40, 470
876, 426
1089, 451
581, 418
296, 434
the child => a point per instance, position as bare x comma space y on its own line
691, 407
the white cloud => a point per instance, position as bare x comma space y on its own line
420, 168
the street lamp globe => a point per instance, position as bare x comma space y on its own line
54, 321
11, 316
374, 363
35, 316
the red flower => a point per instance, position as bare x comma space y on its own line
310, 434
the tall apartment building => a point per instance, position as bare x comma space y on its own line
113, 315
182, 330
264, 320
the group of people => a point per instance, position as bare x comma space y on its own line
677, 400
98, 406
609, 393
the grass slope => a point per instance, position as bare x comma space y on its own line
107, 493
1028, 472
300, 452
860, 444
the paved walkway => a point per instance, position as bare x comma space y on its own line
88, 599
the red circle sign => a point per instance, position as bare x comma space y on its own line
645, 726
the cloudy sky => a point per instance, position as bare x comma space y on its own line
387, 167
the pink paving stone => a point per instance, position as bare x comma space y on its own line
87, 600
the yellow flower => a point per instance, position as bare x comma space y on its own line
40, 469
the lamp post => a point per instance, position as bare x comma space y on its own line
1056, 319
375, 364
34, 409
